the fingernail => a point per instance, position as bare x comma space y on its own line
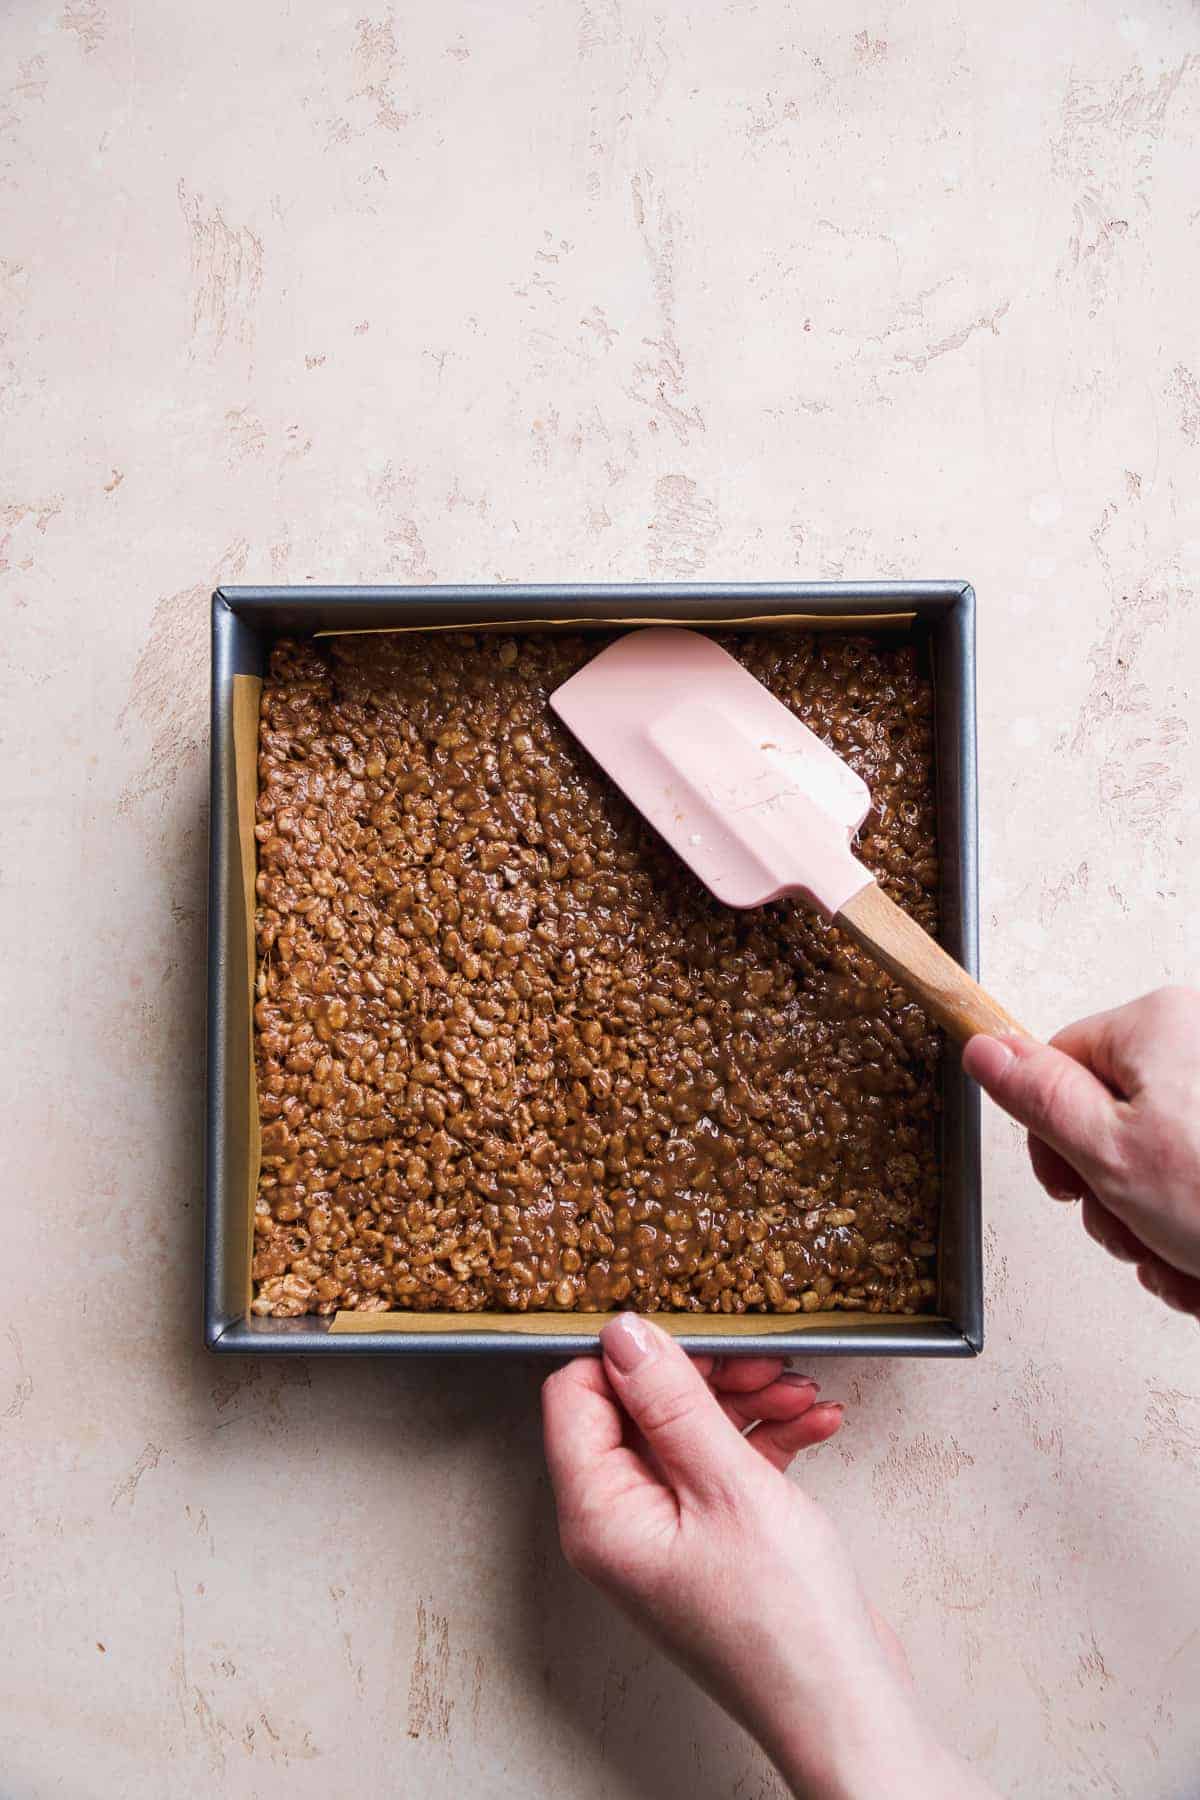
628, 1341
988, 1059
801, 1381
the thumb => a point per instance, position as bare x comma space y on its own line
696, 1446
1059, 1100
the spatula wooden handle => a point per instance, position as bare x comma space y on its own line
919, 964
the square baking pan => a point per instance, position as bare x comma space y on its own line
245, 623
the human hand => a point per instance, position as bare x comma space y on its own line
695, 1532
1113, 1110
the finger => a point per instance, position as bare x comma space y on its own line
741, 1374
1096, 1042
1139, 1045
780, 1440
1059, 1100
698, 1450
1111, 1234
786, 1398
738, 1383
1178, 1291
583, 1430
1056, 1175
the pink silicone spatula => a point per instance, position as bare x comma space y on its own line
753, 801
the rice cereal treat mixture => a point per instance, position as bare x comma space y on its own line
511, 1055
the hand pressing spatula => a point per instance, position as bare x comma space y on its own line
753, 801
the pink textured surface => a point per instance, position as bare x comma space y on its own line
740, 788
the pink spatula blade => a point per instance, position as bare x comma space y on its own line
746, 794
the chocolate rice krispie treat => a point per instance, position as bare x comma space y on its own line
511, 1055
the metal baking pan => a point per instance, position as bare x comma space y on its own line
245, 622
